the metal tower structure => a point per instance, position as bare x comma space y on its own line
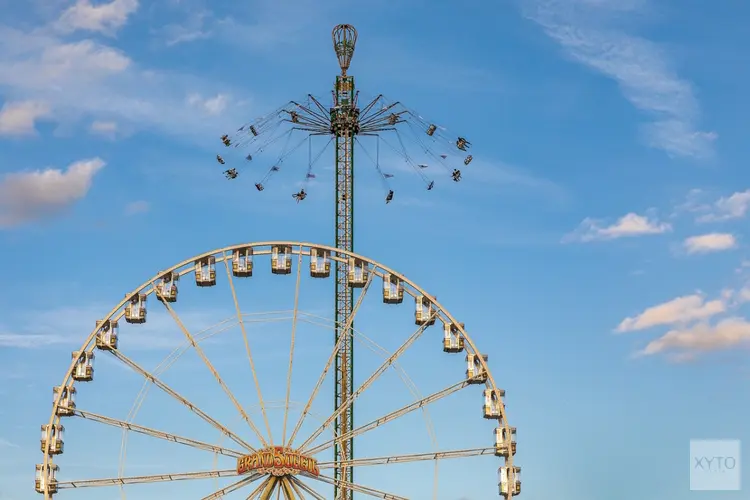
345, 122
345, 126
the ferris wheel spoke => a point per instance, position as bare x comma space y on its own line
367, 383
332, 358
164, 387
166, 436
416, 405
291, 347
299, 485
213, 370
357, 487
270, 486
233, 487
157, 478
296, 487
259, 489
249, 352
286, 489
415, 457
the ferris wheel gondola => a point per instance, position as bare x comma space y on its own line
277, 446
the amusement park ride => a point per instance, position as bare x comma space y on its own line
347, 125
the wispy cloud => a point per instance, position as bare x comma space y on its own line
4, 443
104, 128
698, 204
627, 226
584, 29
69, 326
496, 173
743, 267
273, 25
211, 105
480, 174
734, 206
137, 207
693, 203
195, 27
391, 61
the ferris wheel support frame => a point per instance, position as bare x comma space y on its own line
294, 248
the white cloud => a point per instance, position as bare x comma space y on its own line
51, 66
86, 81
105, 18
680, 310
734, 206
701, 337
28, 196
104, 128
697, 325
137, 207
707, 243
19, 118
628, 225
213, 105
639, 66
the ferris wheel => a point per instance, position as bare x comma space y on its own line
178, 428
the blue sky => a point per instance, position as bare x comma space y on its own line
596, 249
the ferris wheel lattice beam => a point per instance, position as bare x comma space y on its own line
148, 431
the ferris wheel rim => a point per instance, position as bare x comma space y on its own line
299, 249
295, 245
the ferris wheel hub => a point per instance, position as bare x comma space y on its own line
277, 461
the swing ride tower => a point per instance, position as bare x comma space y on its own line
344, 127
